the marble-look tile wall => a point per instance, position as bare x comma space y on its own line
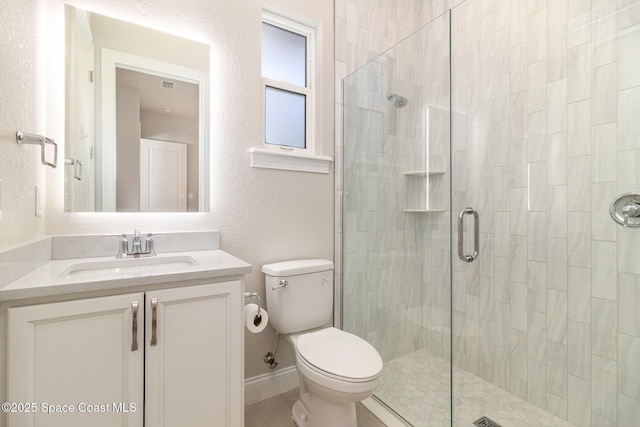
545, 134
364, 30
395, 161
546, 92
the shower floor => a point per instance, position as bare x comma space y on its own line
416, 386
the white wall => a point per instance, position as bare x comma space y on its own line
263, 215
127, 149
22, 108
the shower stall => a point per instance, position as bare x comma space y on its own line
481, 156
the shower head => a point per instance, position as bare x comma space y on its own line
398, 101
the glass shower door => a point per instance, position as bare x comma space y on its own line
396, 221
545, 107
524, 113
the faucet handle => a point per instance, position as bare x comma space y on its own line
630, 209
150, 243
123, 244
625, 209
121, 235
150, 236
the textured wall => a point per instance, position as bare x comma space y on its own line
263, 215
22, 108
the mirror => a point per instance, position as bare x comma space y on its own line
137, 108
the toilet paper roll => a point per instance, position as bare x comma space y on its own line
252, 322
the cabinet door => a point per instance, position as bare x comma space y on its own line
194, 372
78, 354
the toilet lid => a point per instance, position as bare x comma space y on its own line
340, 353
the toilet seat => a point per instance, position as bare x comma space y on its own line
339, 355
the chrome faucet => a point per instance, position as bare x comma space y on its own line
137, 245
137, 249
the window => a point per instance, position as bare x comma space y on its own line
290, 105
287, 52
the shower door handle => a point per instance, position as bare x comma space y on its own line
476, 235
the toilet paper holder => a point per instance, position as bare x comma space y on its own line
258, 318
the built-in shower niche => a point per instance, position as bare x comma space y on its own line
424, 191
426, 176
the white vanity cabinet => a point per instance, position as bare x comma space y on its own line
74, 353
194, 374
186, 370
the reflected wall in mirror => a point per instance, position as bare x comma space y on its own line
137, 128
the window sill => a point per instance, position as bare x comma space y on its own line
271, 159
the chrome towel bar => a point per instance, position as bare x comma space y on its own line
77, 168
42, 141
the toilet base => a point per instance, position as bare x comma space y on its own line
327, 413
299, 414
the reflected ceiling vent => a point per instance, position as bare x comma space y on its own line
166, 84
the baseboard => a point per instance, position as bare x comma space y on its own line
270, 384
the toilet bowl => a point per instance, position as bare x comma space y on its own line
335, 368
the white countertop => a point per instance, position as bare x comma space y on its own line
51, 279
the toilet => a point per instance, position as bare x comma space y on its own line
336, 369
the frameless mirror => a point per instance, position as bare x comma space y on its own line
136, 131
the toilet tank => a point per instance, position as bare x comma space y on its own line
306, 302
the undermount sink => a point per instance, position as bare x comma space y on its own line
129, 267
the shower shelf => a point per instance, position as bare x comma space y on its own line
424, 173
423, 210
420, 193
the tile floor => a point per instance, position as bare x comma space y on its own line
276, 412
417, 386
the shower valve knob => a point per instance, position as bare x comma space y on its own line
625, 208
631, 209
